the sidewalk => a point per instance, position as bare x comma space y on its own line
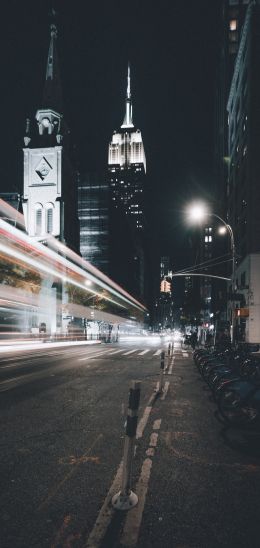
198, 482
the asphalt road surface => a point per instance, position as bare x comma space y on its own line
63, 413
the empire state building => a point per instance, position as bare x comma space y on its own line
127, 166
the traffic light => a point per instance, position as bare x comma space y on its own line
165, 286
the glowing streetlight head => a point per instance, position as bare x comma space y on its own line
222, 230
197, 212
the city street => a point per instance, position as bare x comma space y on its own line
62, 420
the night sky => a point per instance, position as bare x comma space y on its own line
173, 50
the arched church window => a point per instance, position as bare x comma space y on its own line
49, 218
38, 219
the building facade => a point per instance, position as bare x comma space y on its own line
93, 213
127, 181
244, 171
164, 304
50, 190
127, 166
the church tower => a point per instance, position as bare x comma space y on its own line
50, 190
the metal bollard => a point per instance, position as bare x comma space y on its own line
126, 499
160, 389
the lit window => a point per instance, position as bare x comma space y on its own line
49, 220
38, 220
233, 24
210, 238
206, 238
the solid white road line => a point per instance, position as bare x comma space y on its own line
143, 352
107, 511
133, 520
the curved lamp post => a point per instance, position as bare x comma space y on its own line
198, 212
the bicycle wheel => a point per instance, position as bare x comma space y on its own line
234, 409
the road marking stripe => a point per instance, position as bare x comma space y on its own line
133, 521
157, 352
130, 352
153, 439
94, 355
165, 390
185, 354
131, 529
144, 352
107, 511
116, 352
171, 366
143, 422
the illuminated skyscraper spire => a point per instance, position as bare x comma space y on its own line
128, 119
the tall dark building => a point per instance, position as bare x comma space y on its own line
164, 313
232, 20
206, 284
94, 213
244, 175
244, 140
233, 15
127, 177
127, 166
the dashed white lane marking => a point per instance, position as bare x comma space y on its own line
157, 424
130, 352
165, 390
130, 533
171, 366
144, 352
143, 422
153, 439
157, 352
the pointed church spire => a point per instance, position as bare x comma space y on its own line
52, 94
128, 119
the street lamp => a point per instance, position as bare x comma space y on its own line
198, 212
